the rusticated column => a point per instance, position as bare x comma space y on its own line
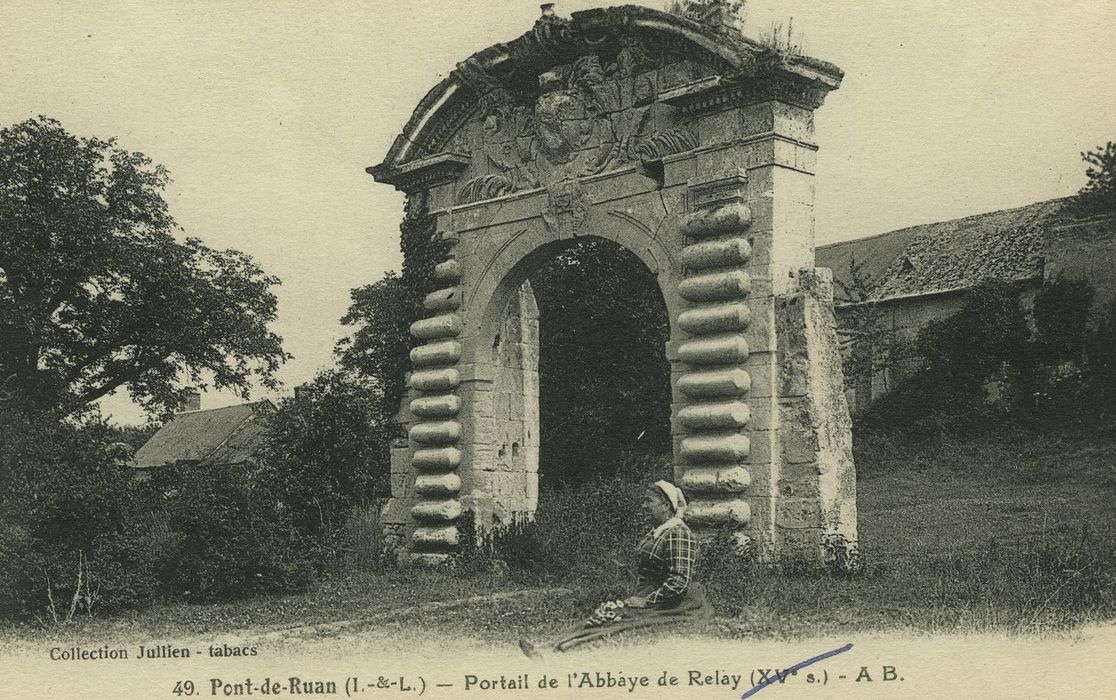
711, 411
436, 429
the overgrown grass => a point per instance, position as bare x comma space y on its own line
1014, 532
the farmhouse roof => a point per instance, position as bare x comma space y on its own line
945, 256
221, 435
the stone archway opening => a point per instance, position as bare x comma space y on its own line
577, 381
604, 376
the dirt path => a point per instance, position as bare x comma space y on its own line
393, 657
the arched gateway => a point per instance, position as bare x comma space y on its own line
689, 145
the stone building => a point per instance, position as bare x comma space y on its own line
920, 274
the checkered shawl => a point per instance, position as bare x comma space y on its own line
666, 563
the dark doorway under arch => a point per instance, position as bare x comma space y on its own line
604, 379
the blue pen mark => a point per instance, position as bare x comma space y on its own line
797, 667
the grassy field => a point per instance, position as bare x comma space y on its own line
1012, 533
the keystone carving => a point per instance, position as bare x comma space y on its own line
567, 208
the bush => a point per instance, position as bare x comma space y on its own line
983, 344
728, 572
364, 546
79, 535
67, 535
1100, 364
327, 450
583, 532
234, 538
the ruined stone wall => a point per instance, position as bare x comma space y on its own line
816, 481
503, 483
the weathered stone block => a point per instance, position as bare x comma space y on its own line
445, 406
678, 170
798, 444
716, 286
437, 484
716, 253
446, 352
437, 459
798, 513
448, 299
714, 350
437, 327
718, 318
399, 481
733, 479
763, 371
719, 127
440, 537
762, 448
434, 380
397, 511
713, 416
726, 218
799, 487
436, 511
719, 383
436, 433
726, 447
734, 511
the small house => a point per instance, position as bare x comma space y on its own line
920, 274
229, 435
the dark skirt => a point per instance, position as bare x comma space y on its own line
693, 605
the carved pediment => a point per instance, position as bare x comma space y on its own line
576, 97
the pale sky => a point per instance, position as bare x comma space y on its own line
267, 113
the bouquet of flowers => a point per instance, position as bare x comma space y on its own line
606, 612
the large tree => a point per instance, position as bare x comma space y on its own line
97, 294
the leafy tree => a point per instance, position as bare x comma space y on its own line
68, 516
226, 533
327, 449
382, 313
870, 345
1098, 196
95, 292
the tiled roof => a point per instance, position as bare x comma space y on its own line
947, 255
224, 435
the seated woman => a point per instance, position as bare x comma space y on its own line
666, 592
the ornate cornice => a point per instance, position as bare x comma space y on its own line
515, 66
422, 173
717, 93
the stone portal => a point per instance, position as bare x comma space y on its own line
691, 146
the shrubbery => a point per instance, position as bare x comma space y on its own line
988, 363
68, 536
226, 533
79, 534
